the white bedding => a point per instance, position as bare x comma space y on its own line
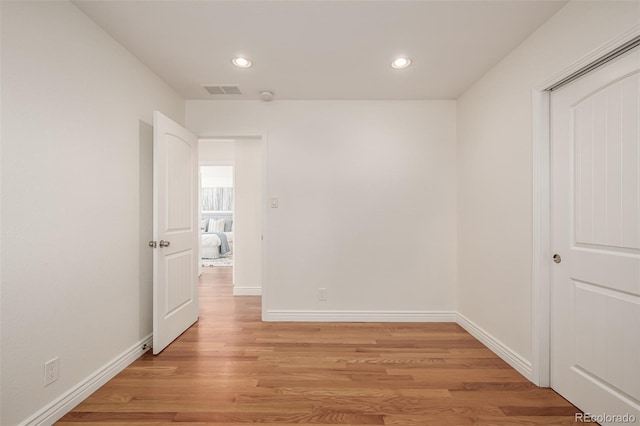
210, 244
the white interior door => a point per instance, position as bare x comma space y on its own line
175, 231
595, 333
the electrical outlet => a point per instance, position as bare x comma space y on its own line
51, 371
322, 294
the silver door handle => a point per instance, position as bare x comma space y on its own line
164, 243
557, 258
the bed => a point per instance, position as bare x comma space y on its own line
216, 234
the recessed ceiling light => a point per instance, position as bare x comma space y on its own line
401, 63
241, 62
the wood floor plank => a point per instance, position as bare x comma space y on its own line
230, 368
322, 417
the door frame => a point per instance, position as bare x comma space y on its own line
262, 137
541, 262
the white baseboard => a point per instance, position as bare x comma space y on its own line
503, 351
247, 291
67, 401
360, 316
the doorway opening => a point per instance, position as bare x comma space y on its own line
231, 200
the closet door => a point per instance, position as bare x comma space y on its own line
595, 345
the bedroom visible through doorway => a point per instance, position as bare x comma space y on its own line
217, 216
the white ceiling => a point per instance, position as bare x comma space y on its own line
321, 49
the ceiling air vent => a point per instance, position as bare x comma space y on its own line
227, 89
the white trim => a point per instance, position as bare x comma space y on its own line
205, 163
74, 396
247, 291
541, 280
541, 269
510, 356
232, 136
591, 57
360, 316
265, 229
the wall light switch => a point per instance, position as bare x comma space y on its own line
274, 202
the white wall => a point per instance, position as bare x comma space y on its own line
367, 203
217, 151
76, 199
247, 227
495, 167
216, 176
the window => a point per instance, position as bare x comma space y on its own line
216, 192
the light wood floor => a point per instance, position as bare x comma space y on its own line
231, 368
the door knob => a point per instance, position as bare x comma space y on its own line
556, 257
164, 243
153, 244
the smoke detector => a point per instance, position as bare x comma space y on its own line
266, 95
